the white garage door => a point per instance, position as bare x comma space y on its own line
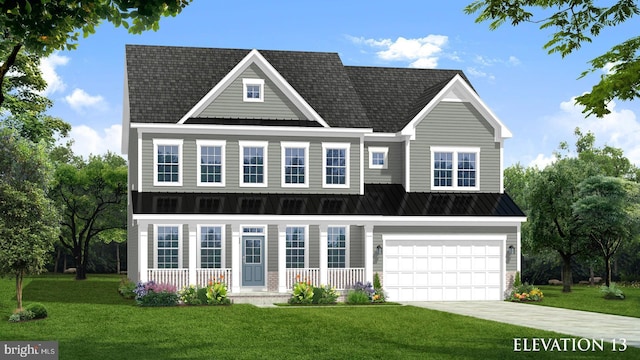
427, 269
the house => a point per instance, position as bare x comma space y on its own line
260, 167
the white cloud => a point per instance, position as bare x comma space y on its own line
541, 161
48, 67
608, 67
420, 52
514, 60
87, 140
479, 73
79, 100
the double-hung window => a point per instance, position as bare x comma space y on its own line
337, 247
455, 168
211, 160
167, 162
295, 238
253, 90
253, 163
335, 169
168, 246
294, 164
211, 241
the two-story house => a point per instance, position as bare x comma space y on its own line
264, 167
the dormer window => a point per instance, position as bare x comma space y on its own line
253, 90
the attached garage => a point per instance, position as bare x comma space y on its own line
444, 267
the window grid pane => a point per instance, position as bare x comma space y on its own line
295, 247
467, 169
443, 169
337, 247
168, 163
167, 238
253, 165
294, 165
252, 251
253, 91
211, 164
336, 166
377, 158
211, 247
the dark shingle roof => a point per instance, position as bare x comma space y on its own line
165, 82
387, 200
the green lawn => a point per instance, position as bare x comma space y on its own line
589, 298
91, 321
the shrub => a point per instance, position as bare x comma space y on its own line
516, 281
358, 297
366, 288
22, 315
201, 295
612, 292
162, 298
127, 288
526, 292
217, 293
189, 295
324, 295
379, 295
38, 310
302, 293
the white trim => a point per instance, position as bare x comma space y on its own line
258, 130
368, 253
454, 171
501, 168
140, 160
407, 166
242, 144
264, 255
519, 248
361, 166
222, 243
193, 255
254, 57
323, 244
236, 257
252, 82
347, 148
282, 258
143, 256
294, 145
306, 243
155, 243
167, 142
385, 153
213, 143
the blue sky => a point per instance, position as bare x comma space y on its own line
529, 90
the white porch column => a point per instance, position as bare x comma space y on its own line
518, 249
193, 256
143, 255
282, 258
235, 258
368, 253
323, 255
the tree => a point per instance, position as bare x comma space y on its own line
575, 22
91, 197
28, 219
43, 26
608, 213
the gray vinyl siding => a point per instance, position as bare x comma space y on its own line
455, 124
510, 231
185, 245
394, 173
356, 246
230, 104
272, 248
151, 237
232, 165
132, 159
227, 247
314, 246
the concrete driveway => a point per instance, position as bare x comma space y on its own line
581, 324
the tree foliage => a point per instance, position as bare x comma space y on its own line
575, 23
43, 26
91, 197
28, 219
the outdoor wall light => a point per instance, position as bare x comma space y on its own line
512, 250
379, 249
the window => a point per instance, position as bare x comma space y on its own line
211, 162
211, 238
253, 166
168, 247
167, 162
335, 157
337, 247
294, 162
295, 247
253, 90
378, 157
455, 168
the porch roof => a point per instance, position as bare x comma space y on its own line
379, 199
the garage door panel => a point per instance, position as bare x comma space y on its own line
464, 263
479, 263
464, 279
464, 294
406, 263
435, 264
450, 263
493, 264
421, 263
436, 279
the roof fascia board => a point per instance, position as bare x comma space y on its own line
501, 131
254, 57
384, 137
250, 130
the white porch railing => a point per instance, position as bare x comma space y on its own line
177, 277
304, 274
203, 276
343, 279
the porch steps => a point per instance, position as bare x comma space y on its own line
259, 298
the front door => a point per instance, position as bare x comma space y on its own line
253, 261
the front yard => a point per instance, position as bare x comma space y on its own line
90, 320
589, 298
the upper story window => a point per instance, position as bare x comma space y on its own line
168, 246
335, 171
211, 243
253, 163
337, 247
167, 162
294, 164
378, 157
211, 162
295, 247
253, 90
455, 168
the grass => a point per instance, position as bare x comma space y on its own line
90, 320
589, 298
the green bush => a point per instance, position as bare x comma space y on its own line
126, 288
516, 281
324, 295
358, 297
379, 296
217, 294
38, 310
302, 293
162, 298
22, 315
612, 292
201, 295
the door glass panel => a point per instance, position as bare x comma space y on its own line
252, 251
